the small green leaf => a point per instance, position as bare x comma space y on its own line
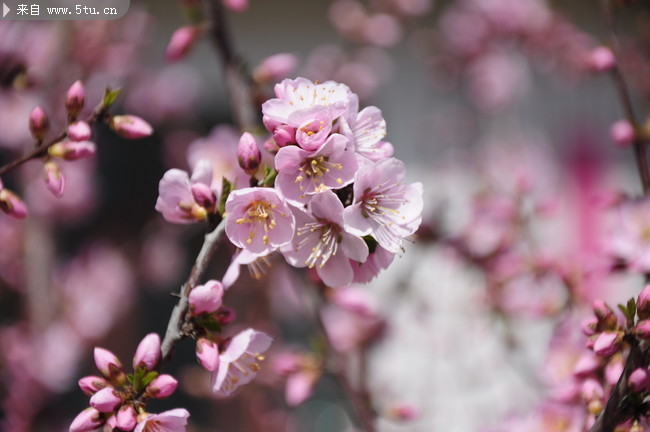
110, 96
624, 310
210, 323
150, 376
226, 188
129, 378
631, 307
269, 176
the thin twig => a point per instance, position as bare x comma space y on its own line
178, 317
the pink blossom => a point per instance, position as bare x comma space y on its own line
162, 386
607, 343
38, 123
87, 420
248, 154
622, 133
300, 386
347, 329
207, 353
12, 205
321, 242
54, 178
642, 329
75, 98
643, 303
378, 259
383, 206
275, 67
92, 384
258, 220
587, 364
107, 363
72, 150
148, 352
402, 412
240, 362
181, 42
130, 126
366, 130
79, 131
177, 198
236, 5
126, 418
302, 173
639, 380
601, 59
169, 421
206, 298
106, 400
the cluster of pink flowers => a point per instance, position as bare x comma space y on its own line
118, 400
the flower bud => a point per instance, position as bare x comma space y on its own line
72, 150
130, 126
107, 363
126, 418
592, 389
606, 318
54, 178
203, 195
587, 364
589, 326
639, 380
87, 420
148, 352
642, 329
607, 343
275, 68
206, 298
207, 353
106, 400
643, 303
38, 123
300, 387
284, 135
79, 131
248, 154
75, 98
181, 43
225, 315
92, 384
271, 146
162, 386
601, 59
622, 133
11, 204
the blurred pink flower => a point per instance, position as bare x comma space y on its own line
169, 421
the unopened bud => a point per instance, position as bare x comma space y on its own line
130, 126
72, 150
75, 98
639, 380
248, 154
54, 178
206, 298
622, 133
606, 318
607, 343
642, 329
79, 131
148, 352
601, 59
589, 326
126, 418
92, 384
271, 146
275, 68
207, 353
38, 123
225, 315
203, 195
106, 400
181, 43
643, 303
587, 364
12, 205
87, 420
162, 386
284, 135
107, 363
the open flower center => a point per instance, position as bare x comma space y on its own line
329, 238
248, 363
383, 200
259, 213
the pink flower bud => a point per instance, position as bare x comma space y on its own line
622, 132
606, 317
87, 420
131, 127
207, 353
162, 386
79, 131
11, 204
126, 418
203, 195
275, 68
643, 303
642, 329
284, 135
107, 363
236, 5
206, 298
75, 98
38, 123
639, 380
589, 326
106, 400
54, 178
225, 315
92, 384
587, 364
601, 59
607, 343
592, 390
181, 43
248, 154
72, 150
148, 352
271, 146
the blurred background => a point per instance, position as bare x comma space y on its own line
501, 108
